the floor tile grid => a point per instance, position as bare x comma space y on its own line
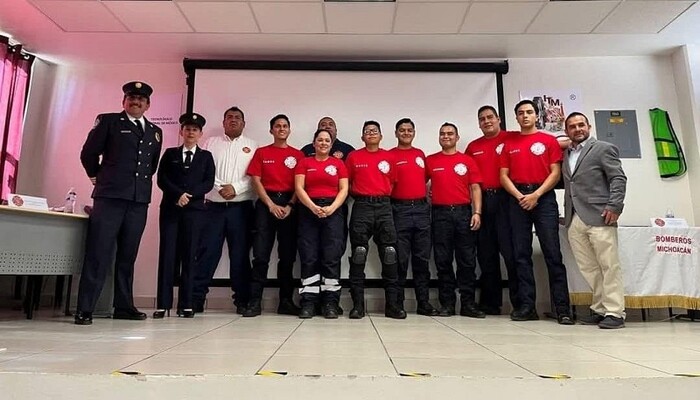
260, 369
374, 325
126, 368
594, 349
516, 364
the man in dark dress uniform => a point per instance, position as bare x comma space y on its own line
129, 147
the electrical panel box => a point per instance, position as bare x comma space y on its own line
619, 127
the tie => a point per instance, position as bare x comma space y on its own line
139, 127
188, 158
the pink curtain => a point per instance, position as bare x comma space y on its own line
14, 84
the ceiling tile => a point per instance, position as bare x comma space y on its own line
230, 17
429, 18
571, 16
361, 18
293, 17
642, 16
80, 16
500, 17
149, 16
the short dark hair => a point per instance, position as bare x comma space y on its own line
404, 121
487, 107
279, 116
526, 101
451, 125
234, 109
318, 132
575, 114
375, 123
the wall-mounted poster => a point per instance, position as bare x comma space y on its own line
553, 106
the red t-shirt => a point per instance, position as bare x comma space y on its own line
371, 173
450, 176
275, 167
485, 152
528, 157
410, 174
322, 177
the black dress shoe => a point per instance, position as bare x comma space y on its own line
565, 319
357, 312
394, 312
446, 311
128, 313
83, 318
307, 311
590, 319
287, 307
160, 314
425, 308
186, 313
471, 311
490, 310
524, 313
330, 311
253, 310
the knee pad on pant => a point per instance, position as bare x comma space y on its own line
390, 256
359, 255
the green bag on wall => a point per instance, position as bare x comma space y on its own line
669, 152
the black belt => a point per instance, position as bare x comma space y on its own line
491, 192
223, 204
279, 194
323, 199
413, 202
527, 187
372, 199
450, 206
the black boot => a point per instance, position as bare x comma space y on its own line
393, 307
253, 309
287, 307
358, 304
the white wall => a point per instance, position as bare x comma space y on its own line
616, 83
66, 100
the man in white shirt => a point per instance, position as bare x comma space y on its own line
229, 212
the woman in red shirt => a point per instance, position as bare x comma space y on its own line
321, 183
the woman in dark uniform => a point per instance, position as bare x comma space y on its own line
321, 184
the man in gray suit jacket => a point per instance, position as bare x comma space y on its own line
593, 201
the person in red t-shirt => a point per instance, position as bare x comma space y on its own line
412, 215
530, 168
372, 174
322, 187
272, 173
494, 235
456, 208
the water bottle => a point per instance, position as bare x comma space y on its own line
70, 201
669, 213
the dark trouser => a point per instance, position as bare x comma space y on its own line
267, 226
545, 217
321, 245
494, 237
180, 235
373, 219
454, 239
114, 223
230, 221
412, 221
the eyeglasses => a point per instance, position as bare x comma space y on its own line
369, 132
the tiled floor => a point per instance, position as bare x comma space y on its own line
223, 344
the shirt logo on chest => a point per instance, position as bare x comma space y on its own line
338, 154
331, 170
420, 162
290, 162
499, 149
460, 169
246, 149
384, 167
537, 149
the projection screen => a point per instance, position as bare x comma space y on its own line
351, 93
